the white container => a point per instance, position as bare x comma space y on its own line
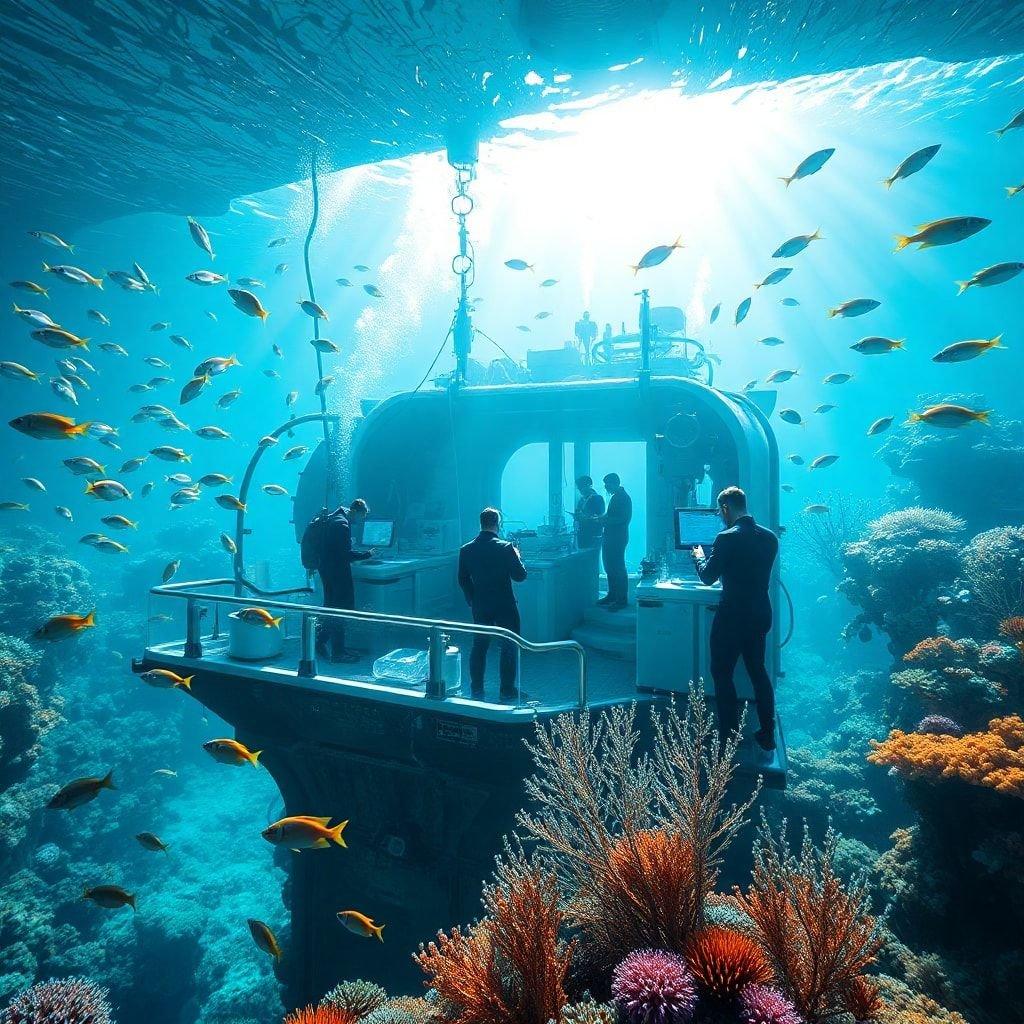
252, 641
452, 671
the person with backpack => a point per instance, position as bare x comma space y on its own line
327, 550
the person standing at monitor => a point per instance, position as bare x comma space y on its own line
615, 523
742, 557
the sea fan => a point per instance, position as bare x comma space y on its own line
321, 1015
724, 962
67, 1001
357, 997
652, 986
862, 998
761, 1004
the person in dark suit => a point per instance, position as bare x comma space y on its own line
589, 509
327, 547
615, 523
488, 566
742, 558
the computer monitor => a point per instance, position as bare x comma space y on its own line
696, 526
378, 533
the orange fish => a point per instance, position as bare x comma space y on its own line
60, 627
360, 924
110, 897
79, 792
264, 938
259, 617
303, 832
165, 679
232, 752
49, 426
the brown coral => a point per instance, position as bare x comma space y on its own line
935, 651
724, 962
862, 998
994, 758
1013, 629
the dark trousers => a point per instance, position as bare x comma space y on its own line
339, 592
732, 639
507, 618
613, 554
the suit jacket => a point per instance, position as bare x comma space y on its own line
617, 519
589, 509
338, 555
742, 557
488, 566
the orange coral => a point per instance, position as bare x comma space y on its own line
994, 758
320, 1015
1013, 629
862, 998
933, 650
724, 962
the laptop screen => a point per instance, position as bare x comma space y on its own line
697, 526
378, 533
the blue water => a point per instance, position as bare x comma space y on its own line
580, 193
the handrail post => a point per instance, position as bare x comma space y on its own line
438, 644
307, 659
193, 629
582, 654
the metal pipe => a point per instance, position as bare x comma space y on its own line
437, 645
193, 630
307, 658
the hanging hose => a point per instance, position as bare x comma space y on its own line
792, 615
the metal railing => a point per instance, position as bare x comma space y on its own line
438, 630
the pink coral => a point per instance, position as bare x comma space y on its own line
652, 986
762, 1004
68, 1001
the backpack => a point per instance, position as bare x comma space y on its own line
313, 542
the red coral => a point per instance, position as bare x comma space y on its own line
320, 1015
862, 998
724, 961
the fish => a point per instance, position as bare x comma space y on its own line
824, 408
771, 342
295, 453
714, 313
961, 351
250, 282
57, 337
113, 348
107, 490
360, 924
192, 389
302, 832
1014, 190
248, 303
119, 523
160, 325
143, 277
260, 617
264, 938
324, 345
942, 232
51, 239
790, 416
816, 509
157, 362
215, 366
775, 277
64, 512
780, 376
750, 385
200, 237
913, 163
854, 307
797, 460
228, 751
1017, 121
33, 484
80, 791
361, 267
518, 265
948, 415
79, 382
654, 257
274, 489
152, 842
168, 453
882, 424
230, 502
877, 346
90, 539
109, 442
280, 268
291, 398
809, 165
170, 570
310, 308
228, 544
111, 547
212, 433
796, 244
323, 384
998, 273
822, 461
272, 374
147, 489
31, 286
110, 897
523, 328
178, 478
63, 389
548, 282
742, 310
788, 488
344, 282
181, 341
837, 378
82, 465
166, 773
165, 679
275, 243
268, 441
34, 316
73, 275
49, 426
156, 382
184, 496
228, 398
126, 281
215, 480
172, 422
100, 318
15, 371
206, 278
372, 289
790, 302
13, 506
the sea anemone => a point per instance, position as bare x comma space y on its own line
762, 1004
724, 962
67, 1001
652, 986
356, 997
939, 725
321, 1015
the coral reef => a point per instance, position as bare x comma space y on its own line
939, 725
900, 1005
67, 1001
589, 1012
356, 997
724, 962
994, 570
320, 1015
994, 758
652, 986
762, 1004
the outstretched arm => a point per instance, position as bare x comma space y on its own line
710, 569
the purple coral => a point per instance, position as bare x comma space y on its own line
762, 1004
652, 986
939, 725
68, 1001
